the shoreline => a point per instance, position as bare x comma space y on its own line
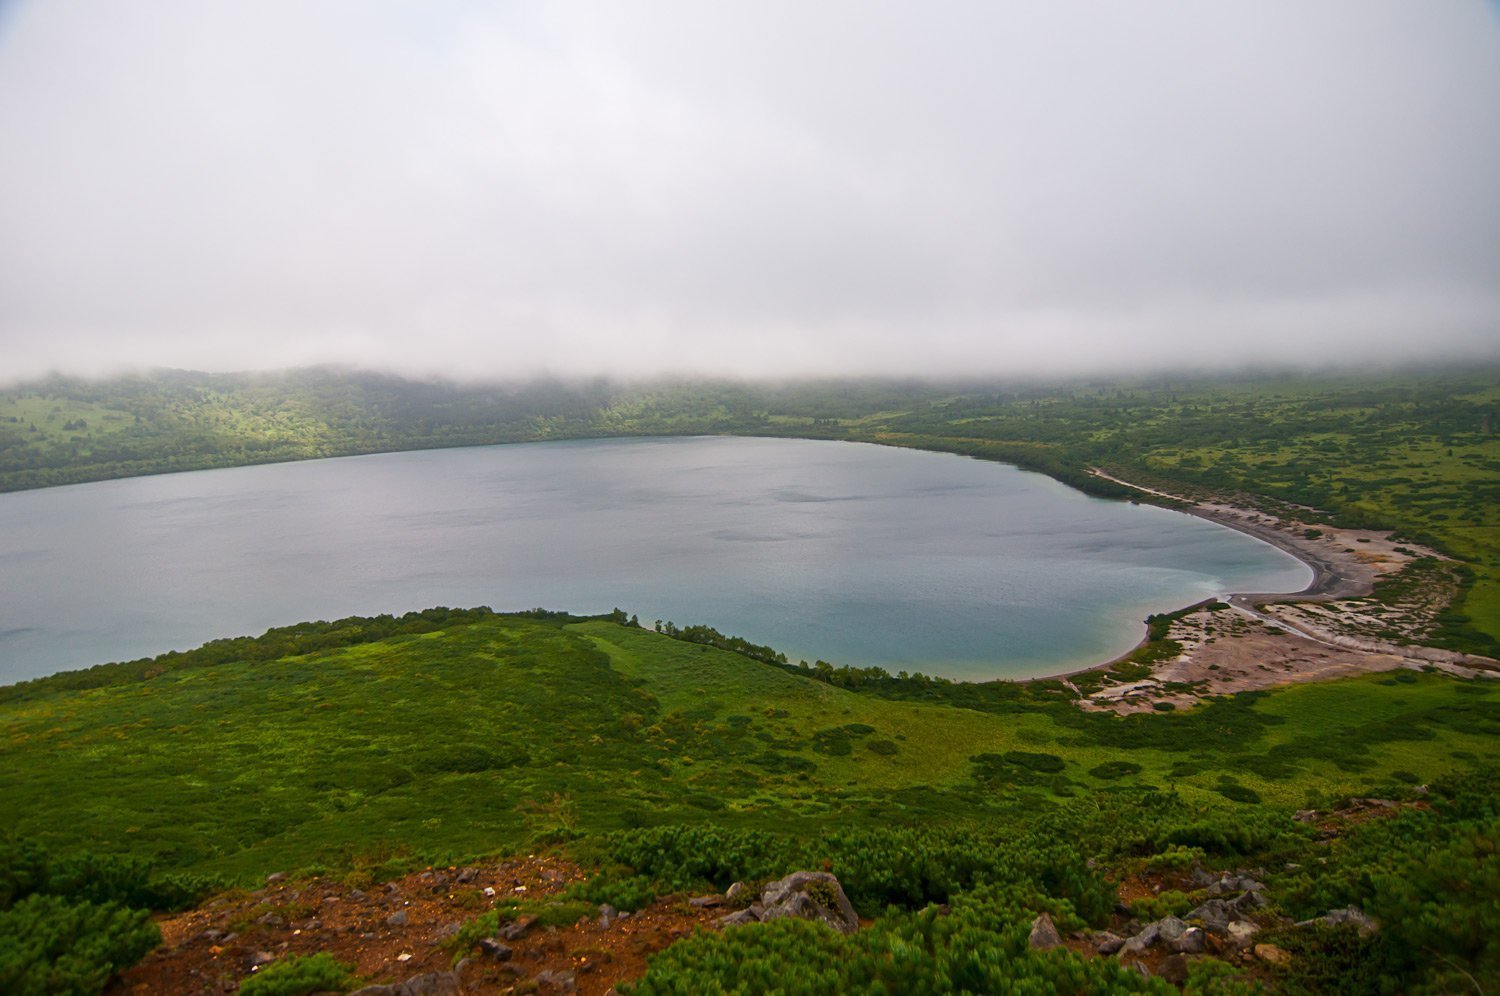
1329, 580
1335, 574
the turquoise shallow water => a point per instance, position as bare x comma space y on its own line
852, 553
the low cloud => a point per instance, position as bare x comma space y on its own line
778, 188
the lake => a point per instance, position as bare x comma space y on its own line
852, 553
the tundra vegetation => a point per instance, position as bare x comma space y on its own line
366, 747
676, 759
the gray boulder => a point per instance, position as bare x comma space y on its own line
1349, 915
1194, 940
556, 981
1240, 933
518, 929
1108, 943
810, 896
1215, 915
431, 984
750, 914
1249, 902
1166, 931
1235, 883
1044, 935
498, 950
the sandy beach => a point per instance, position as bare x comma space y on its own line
1327, 630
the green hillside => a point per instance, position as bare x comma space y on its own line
440, 736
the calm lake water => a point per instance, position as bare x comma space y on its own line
852, 553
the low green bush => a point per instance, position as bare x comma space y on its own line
301, 975
50, 946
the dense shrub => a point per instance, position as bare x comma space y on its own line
979, 947
50, 946
623, 892
1115, 769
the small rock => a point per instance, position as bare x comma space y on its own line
448, 930
518, 929
1166, 930
1108, 944
1044, 935
211, 935
1142, 940
431, 984
1194, 940
497, 950
607, 915
557, 981
1272, 955
1351, 915
706, 902
1249, 902
1235, 883
1214, 915
1305, 815
467, 875
272, 920
259, 958
397, 919
735, 891
275, 877
358, 895
489, 890
750, 914
1170, 929
1175, 970
1239, 933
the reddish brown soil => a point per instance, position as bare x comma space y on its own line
306, 916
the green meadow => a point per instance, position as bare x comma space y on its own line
490, 735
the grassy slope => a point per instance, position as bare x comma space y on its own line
480, 738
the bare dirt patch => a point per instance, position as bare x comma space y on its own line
397, 930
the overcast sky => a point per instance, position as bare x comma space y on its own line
501, 189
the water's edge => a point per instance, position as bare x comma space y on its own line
1269, 537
